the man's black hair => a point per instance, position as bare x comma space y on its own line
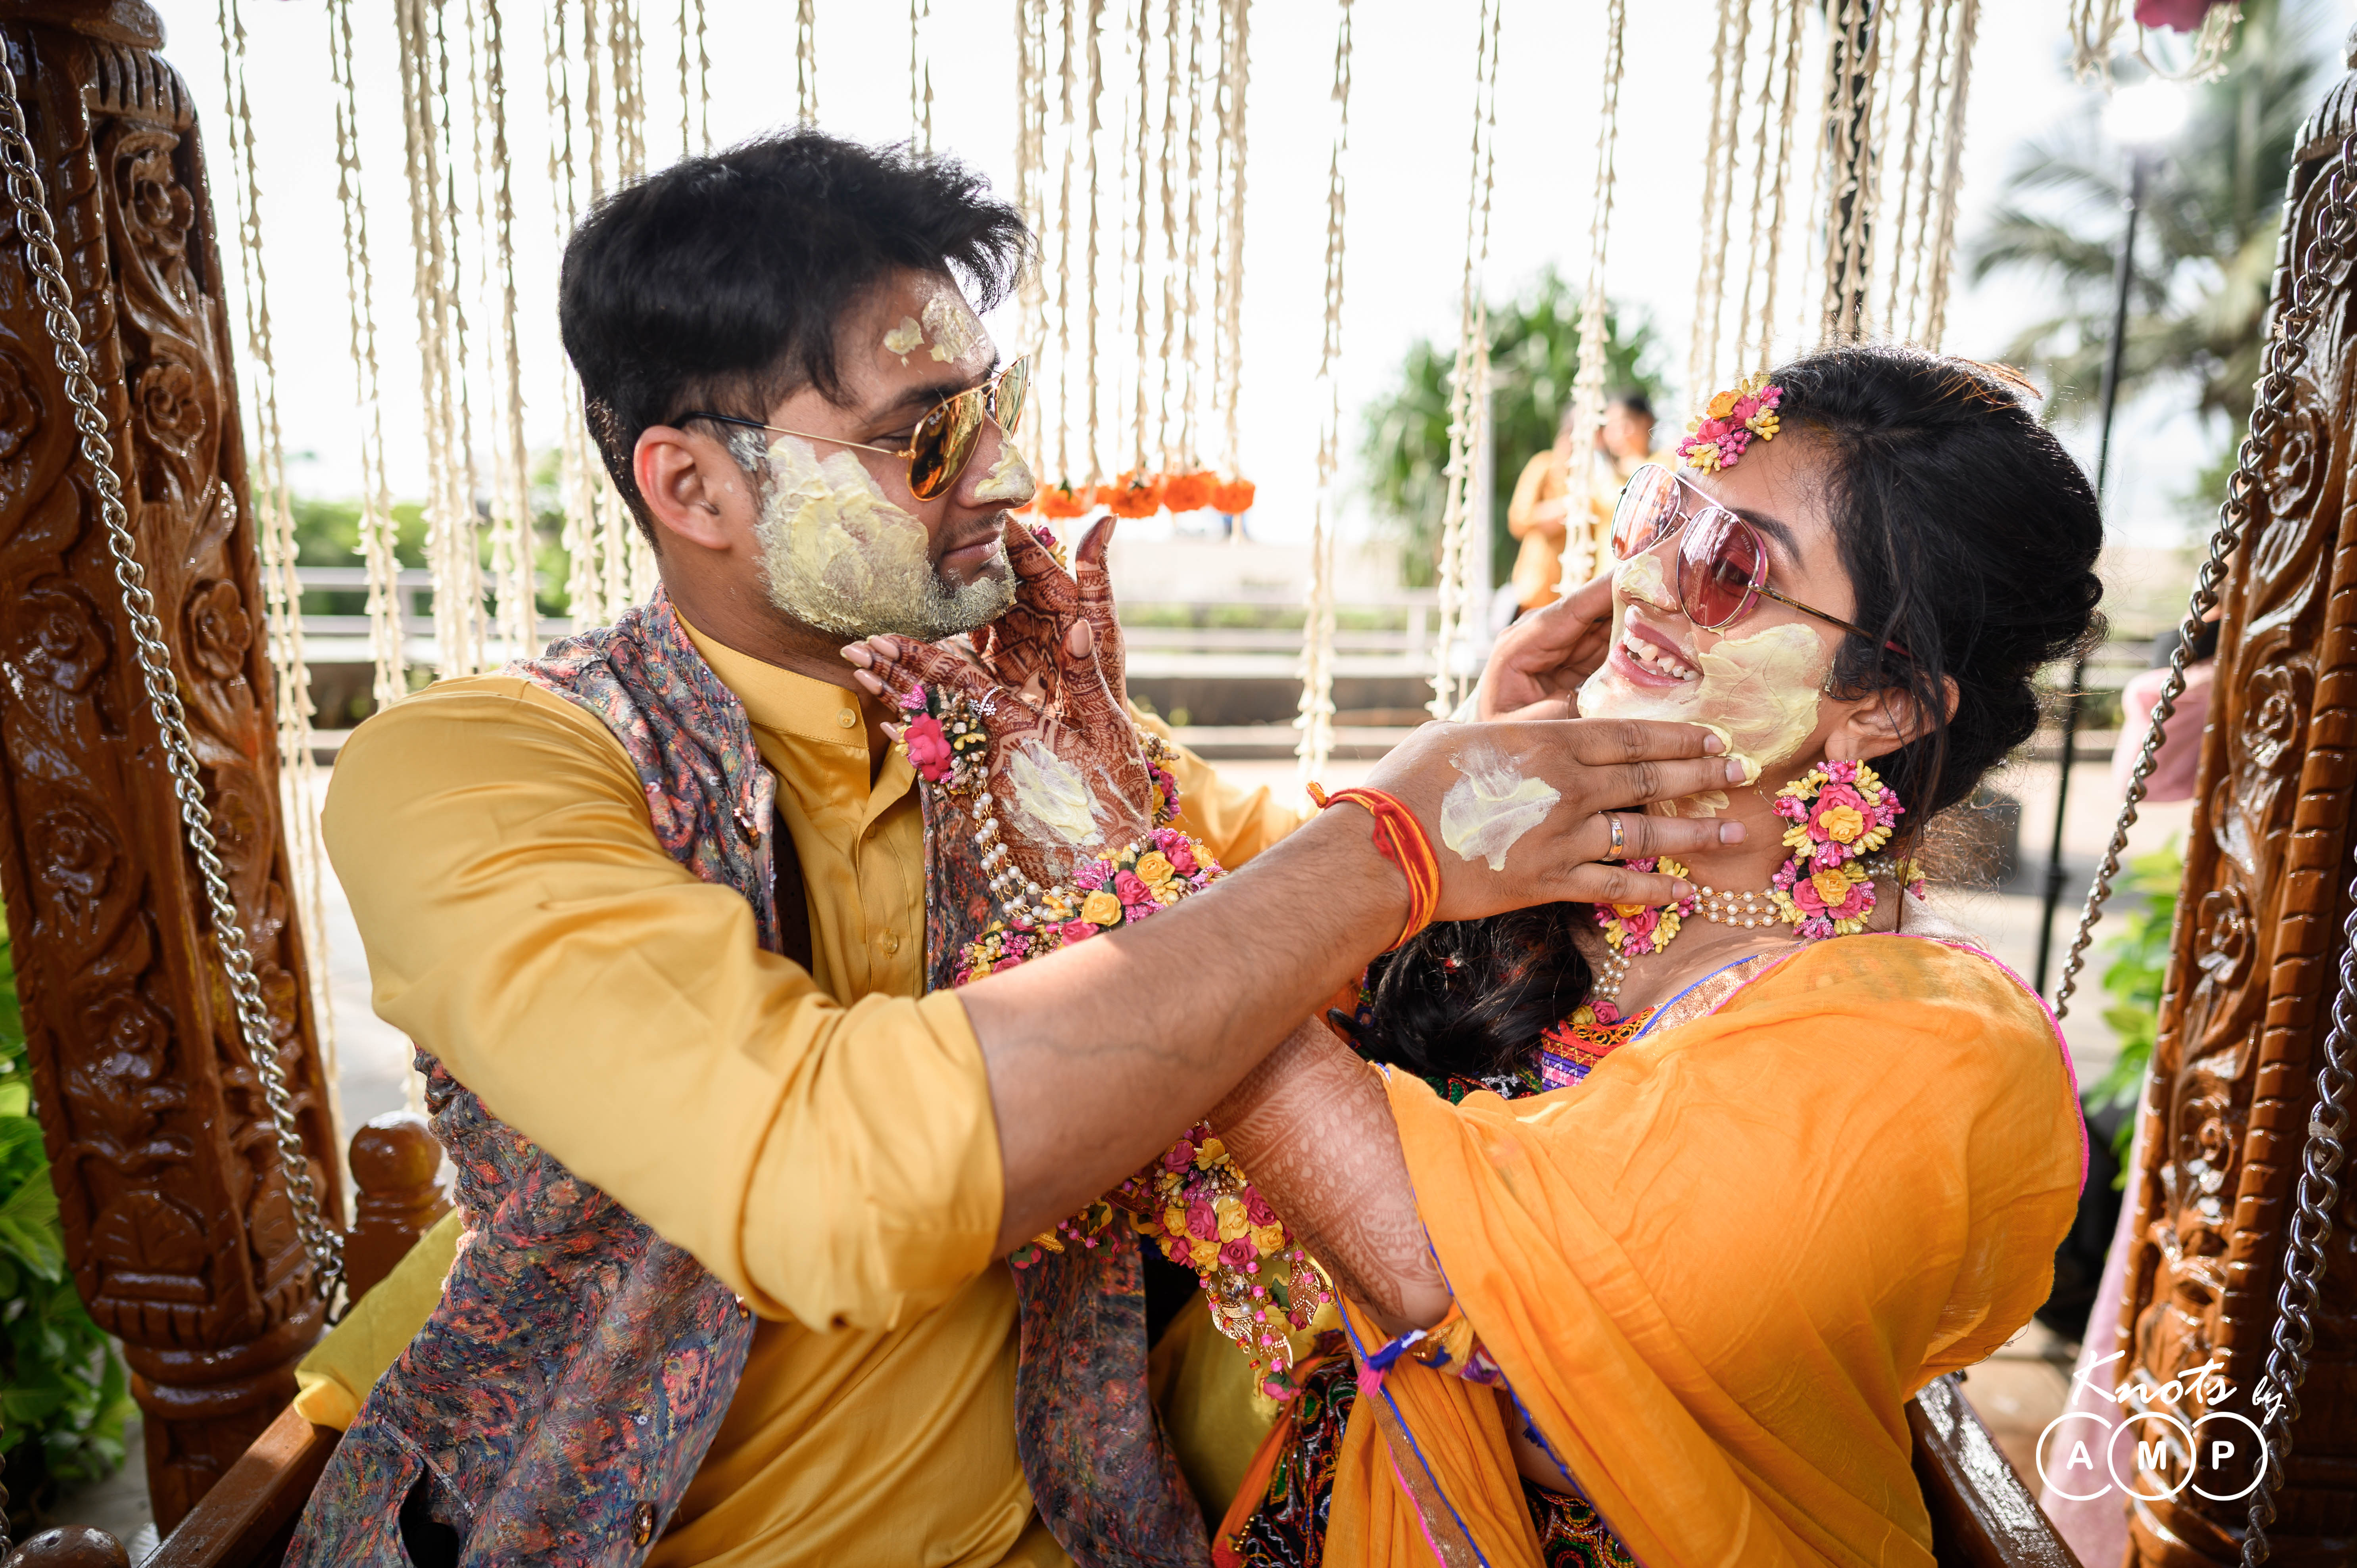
720, 283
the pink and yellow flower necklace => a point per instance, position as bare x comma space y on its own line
1841, 813
1194, 1203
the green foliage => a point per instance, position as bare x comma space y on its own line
2206, 236
327, 533
1533, 356
2132, 980
61, 1383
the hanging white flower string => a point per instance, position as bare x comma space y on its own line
1169, 363
584, 581
2096, 26
921, 79
806, 62
1190, 447
1753, 328
449, 515
511, 531
1468, 389
1580, 543
1727, 48
1089, 360
1235, 66
1934, 320
274, 524
377, 531
1316, 721
1141, 318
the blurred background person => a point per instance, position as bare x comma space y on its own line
1540, 513
2173, 766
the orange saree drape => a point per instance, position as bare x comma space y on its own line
1714, 1271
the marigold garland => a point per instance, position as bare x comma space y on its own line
1143, 494
1194, 1203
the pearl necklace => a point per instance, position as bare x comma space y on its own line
1743, 910
1722, 909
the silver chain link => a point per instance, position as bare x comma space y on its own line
321, 1242
2311, 1227
2328, 1125
2287, 350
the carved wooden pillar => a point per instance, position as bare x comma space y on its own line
2254, 968
177, 1220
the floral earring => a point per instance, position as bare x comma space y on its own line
1841, 813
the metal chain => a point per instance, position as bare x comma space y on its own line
2328, 1126
321, 1242
2311, 1227
2287, 350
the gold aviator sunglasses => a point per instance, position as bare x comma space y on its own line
943, 443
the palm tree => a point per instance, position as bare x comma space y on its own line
1533, 355
2205, 242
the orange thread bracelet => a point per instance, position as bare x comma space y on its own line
1402, 840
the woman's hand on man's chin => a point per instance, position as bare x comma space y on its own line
1538, 665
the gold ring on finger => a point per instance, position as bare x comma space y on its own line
1620, 849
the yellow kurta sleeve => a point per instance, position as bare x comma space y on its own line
1236, 823
834, 1164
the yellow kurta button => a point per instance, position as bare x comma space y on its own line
846, 718
891, 941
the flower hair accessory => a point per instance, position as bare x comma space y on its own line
1718, 440
1841, 813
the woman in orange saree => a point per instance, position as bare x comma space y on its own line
1647, 1221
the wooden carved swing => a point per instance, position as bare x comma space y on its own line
180, 1229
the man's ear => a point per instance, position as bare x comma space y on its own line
693, 488
1880, 723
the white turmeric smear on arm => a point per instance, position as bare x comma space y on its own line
1051, 793
950, 327
1009, 478
1491, 806
905, 339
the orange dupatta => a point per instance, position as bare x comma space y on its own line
1715, 1271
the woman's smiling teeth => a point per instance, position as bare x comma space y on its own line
1649, 655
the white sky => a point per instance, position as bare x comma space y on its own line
1407, 175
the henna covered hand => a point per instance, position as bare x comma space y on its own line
1035, 767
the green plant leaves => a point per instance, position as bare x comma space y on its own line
2132, 979
61, 1382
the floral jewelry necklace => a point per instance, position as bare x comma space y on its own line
1633, 930
1841, 813
1194, 1203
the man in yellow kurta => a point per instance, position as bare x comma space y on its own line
557, 994
734, 1186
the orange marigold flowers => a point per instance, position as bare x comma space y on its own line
1060, 501
1233, 495
1188, 492
1132, 495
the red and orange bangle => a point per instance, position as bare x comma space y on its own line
1402, 840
